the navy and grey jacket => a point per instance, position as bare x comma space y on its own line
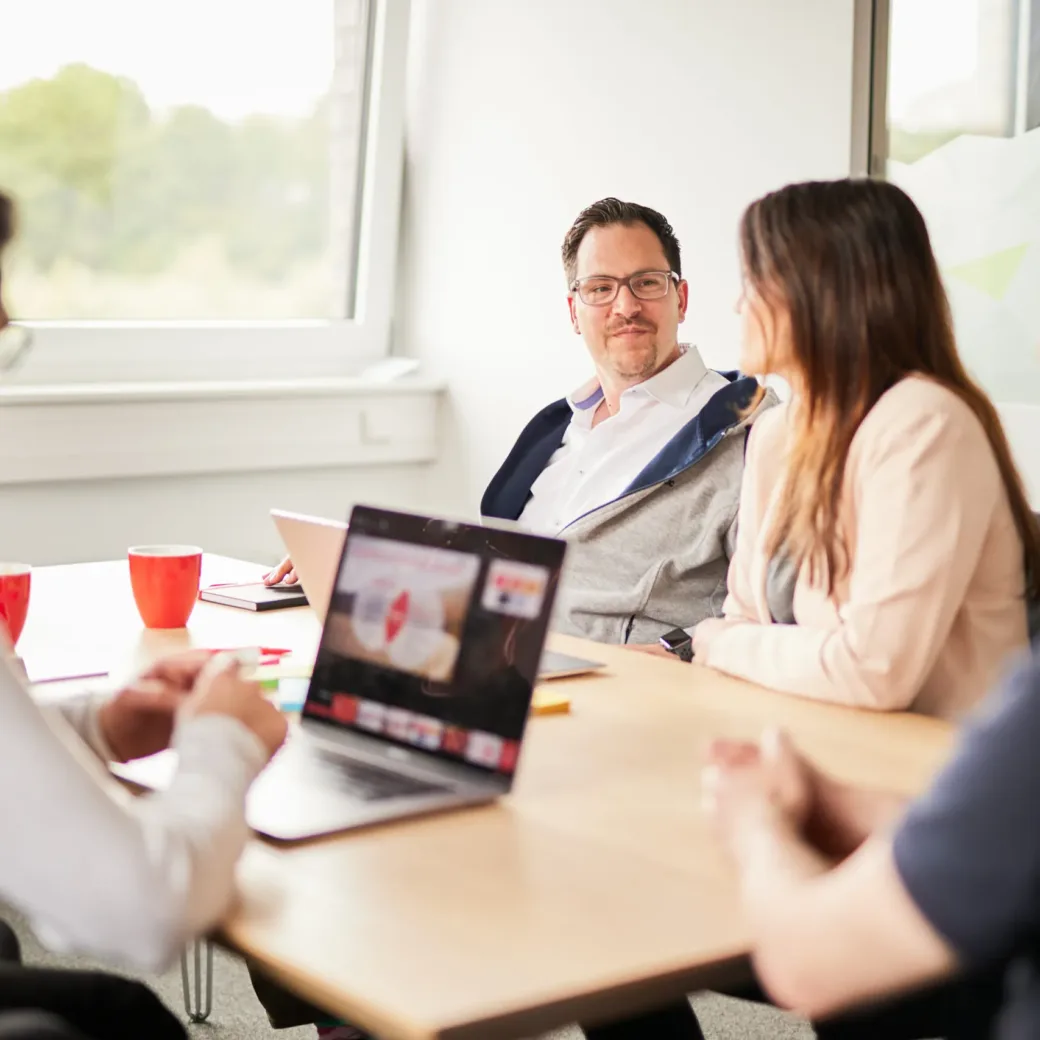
655, 557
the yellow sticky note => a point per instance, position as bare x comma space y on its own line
546, 703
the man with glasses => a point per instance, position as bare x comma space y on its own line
640, 468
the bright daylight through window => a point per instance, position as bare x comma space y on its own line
196, 160
962, 114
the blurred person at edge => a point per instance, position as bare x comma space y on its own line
96, 871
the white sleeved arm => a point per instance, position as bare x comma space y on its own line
81, 713
98, 871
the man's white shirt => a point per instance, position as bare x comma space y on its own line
594, 466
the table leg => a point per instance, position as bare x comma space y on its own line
197, 1007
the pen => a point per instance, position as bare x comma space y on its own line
263, 651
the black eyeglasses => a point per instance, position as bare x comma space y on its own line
600, 289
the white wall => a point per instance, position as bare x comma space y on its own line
224, 513
522, 113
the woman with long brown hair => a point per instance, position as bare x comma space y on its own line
886, 547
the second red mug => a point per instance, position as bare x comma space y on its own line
165, 580
15, 583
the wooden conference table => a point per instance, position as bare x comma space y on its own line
595, 889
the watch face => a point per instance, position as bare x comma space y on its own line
679, 643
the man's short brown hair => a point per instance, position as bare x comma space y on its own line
614, 211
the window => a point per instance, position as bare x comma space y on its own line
207, 189
956, 123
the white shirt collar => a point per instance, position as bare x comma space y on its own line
672, 385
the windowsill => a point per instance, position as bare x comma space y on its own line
115, 393
96, 431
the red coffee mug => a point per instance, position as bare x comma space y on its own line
15, 582
165, 580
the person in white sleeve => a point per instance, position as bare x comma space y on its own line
100, 872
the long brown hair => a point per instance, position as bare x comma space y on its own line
852, 264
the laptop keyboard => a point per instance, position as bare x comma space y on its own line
364, 782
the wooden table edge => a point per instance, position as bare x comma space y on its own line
610, 1002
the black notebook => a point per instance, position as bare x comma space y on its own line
257, 596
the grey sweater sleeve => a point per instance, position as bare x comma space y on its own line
96, 870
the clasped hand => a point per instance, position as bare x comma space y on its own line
139, 720
746, 784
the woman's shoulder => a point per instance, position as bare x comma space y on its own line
770, 426
920, 400
766, 449
923, 393
920, 414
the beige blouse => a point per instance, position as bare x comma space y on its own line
932, 604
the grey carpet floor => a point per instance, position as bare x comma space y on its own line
238, 1016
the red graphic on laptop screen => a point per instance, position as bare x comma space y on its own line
455, 740
317, 707
510, 756
344, 707
407, 606
396, 616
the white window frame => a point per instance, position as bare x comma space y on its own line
870, 82
67, 353
869, 88
870, 158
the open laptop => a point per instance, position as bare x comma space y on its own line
315, 545
422, 682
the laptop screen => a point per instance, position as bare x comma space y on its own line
434, 634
